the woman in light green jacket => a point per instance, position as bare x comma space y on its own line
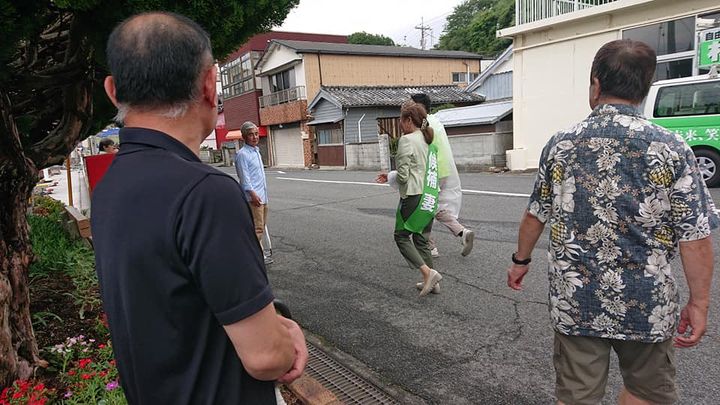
411, 162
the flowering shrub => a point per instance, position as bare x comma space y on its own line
81, 371
63, 353
24, 392
94, 379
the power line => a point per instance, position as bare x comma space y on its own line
422, 27
409, 35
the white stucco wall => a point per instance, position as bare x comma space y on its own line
550, 92
280, 55
552, 60
300, 74
506, 66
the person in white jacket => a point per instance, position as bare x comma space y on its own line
450, 197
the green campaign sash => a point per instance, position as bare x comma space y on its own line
427, 207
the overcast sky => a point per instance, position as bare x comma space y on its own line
393, 18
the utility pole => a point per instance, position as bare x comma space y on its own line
423, 28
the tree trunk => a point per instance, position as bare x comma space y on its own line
18, 349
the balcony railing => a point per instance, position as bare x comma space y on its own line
527, 11
283, 96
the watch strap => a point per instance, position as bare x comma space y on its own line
524, 262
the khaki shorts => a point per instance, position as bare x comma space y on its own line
582, 363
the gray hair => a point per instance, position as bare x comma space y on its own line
246, 127
176, 110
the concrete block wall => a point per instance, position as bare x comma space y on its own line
472, 152
475, 152
362, 156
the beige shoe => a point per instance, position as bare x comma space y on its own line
435, 290
468, 237
430, 283
434, 252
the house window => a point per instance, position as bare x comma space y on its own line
667, 37
688, 99
674, 44
282, 81
331, 136
237, 76
462, 77
673, 69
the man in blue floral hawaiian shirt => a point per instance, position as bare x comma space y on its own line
622, 197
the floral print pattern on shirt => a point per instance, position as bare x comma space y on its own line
619, 194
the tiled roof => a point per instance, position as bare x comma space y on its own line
375, 50
360, 96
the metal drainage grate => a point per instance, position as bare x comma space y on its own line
347, 386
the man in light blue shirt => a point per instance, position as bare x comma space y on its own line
251, 174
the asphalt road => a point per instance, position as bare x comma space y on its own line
478, 342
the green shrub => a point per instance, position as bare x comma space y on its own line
51, 245
82, 273
55, 251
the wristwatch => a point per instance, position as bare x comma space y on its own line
520, 262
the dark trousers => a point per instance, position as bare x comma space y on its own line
414, 247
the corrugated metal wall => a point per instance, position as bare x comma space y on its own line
368, 125
497, 86
326, 111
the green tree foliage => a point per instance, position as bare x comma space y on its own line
52, 64
369, 39
228, 22
473, 24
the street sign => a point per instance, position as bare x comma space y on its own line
709, 48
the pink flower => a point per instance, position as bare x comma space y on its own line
68, 394
112, 385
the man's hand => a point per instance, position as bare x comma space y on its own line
516, 273
381, 178
301, 353
255, 199
530, 230
697, 259
693, 320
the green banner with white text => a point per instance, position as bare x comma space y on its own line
709, 48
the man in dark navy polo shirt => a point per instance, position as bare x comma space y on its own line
181, 272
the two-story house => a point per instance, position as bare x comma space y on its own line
554, 45
240, 86
293, 72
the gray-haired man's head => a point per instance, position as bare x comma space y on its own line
250, 133
156, 60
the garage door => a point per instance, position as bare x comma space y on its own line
288, 147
